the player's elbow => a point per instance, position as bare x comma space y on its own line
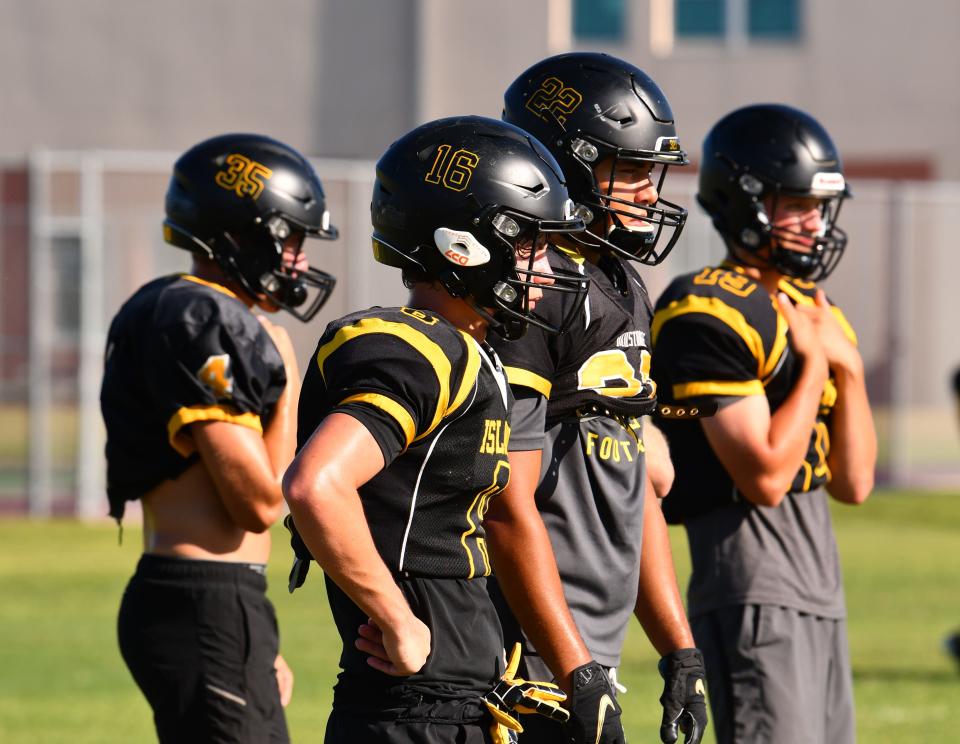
662, 477
764, 490
260, 510
853, 491
296, 489
304, 490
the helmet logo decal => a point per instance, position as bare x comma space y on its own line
553, 95
667, 144
827, 182
460, 247
244, 176
451, 169
215, 374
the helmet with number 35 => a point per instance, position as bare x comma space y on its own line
237, 199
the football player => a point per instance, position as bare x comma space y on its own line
199, 401
757, 338
403, 434
577, 449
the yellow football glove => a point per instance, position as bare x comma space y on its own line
522, 696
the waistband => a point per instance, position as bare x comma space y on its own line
411, 705
251, 575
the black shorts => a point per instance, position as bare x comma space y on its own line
200, 638
416, 722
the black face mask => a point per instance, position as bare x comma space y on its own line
289, 292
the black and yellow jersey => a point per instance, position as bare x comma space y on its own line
601, 365
437, 403
719, 336
180, 350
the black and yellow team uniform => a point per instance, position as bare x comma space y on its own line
436, 401
199, 637
765, 594
578, 398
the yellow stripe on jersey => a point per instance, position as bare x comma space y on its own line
469, 375
717, 387
212, 285
717, 308
389, 406
794, 294
800, 298
479, 507
526, 378
571, 253
191, 414
779, 346
430, 350
844, 324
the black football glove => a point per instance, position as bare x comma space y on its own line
512, 694
302, 557
683, 701
594, 712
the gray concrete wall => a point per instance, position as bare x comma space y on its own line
345, 77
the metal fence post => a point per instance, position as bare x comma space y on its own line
90, 436
40, 341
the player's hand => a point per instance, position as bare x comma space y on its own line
284, 679
683, 701
841, 352
301, 556
594, 712
281, 339
804, 339
399, 651
512, 694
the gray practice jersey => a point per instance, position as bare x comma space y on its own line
591, 487
784, 555
591, 499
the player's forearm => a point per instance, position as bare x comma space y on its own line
280, 434
329, 516
853, 439
789, 437
526, 569
659, 607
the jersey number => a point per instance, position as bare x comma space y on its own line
612, 366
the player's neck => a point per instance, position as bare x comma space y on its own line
766, 276
209, 271
459, 313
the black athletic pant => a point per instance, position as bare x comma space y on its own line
200, 638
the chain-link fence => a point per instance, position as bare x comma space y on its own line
80, 231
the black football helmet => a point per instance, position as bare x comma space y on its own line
586, 107
237, 199
456, 200
767, 151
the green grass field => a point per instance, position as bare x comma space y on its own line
62, 679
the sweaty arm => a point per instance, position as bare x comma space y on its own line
853, 440
527, 571
659, 607
320, 487
659, 465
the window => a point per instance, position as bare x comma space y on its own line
701, 17
773, 19
599, 19
66, 270
737, 20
